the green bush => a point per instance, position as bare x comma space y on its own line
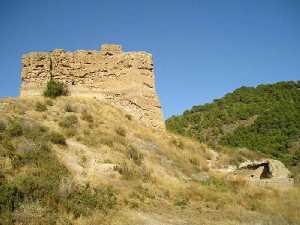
69, 121
55, 89
34, 131
43, 175
107, 198
40, 107
10, 197
15, 129
57, 138
84, 201
2, 126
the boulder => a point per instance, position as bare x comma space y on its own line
266, 172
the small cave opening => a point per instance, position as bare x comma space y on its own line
73, 83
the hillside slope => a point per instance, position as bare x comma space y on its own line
80, 161
264, 118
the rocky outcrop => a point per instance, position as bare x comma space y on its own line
124, 79
266, 172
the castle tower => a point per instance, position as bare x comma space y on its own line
124, 79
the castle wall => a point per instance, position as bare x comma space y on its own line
124, 79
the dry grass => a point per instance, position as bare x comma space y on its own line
151, 170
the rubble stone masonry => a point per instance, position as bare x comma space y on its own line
123, 79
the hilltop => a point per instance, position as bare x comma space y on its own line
76, 160
263, 118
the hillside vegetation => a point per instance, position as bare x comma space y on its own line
264, 118
82, 162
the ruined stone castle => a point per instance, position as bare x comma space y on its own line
124, 79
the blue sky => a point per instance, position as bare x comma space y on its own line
202, 49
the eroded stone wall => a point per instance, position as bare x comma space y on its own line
124, 79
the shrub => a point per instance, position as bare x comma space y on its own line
128, 116
178, 143
34, 131
40, 107
146, 174
84, 201
70, 132
182, 201
121, 131
68, 121
107, 198
69, 108
57, 138
134, 155
86, 116
7, 145
34, 213
9, 197
2, 126
55, 89
217, 184
15, 129
40, 182
194, 161
66, 187
106, 141
49, 102
126, 171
